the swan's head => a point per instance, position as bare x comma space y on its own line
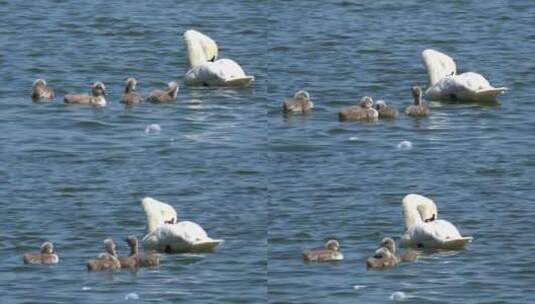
201, 48
302, 95
110, 246
130, 85
39, 83
381, 258
417, 94
333, 245
380, 104
47, 248
389, 244
366, 102
98, 89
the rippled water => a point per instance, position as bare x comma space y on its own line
74, 175
348, 179
230, 161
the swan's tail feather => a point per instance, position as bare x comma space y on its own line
205, 245
438, 65
457, 243
239, 81
489, 94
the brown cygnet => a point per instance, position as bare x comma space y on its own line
160, 96
300, 103
96, 98
385, 111
107, 260
130, 96
41, 92
385, 256
364, 111
46, 256
130, 261
419, 108
331, 252
144, 260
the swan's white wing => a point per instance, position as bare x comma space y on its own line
438, 234
223, 72
200, 47
438, 65
442, 230
180, 237
157, 213
466, 87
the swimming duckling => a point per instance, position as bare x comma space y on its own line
300, 103
96, 98
46, 256
107, 260
131, 261
130, 96
385, 111
41, 92
331, 252
364, 111
418, 109
159, 96
144, 260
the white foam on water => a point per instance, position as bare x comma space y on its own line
404, 145
353, 138
358, 287
86, 288
132, 296
398, 296
153, 128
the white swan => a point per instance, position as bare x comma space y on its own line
446, 85
206, 69
166, 234
424, 230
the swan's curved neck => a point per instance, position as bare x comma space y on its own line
157, 213
411, 214
200, 47
418, 209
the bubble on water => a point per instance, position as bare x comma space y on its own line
153, 128
405, 145
358, 287
86, 288
353, 138
398, 296
131, 296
